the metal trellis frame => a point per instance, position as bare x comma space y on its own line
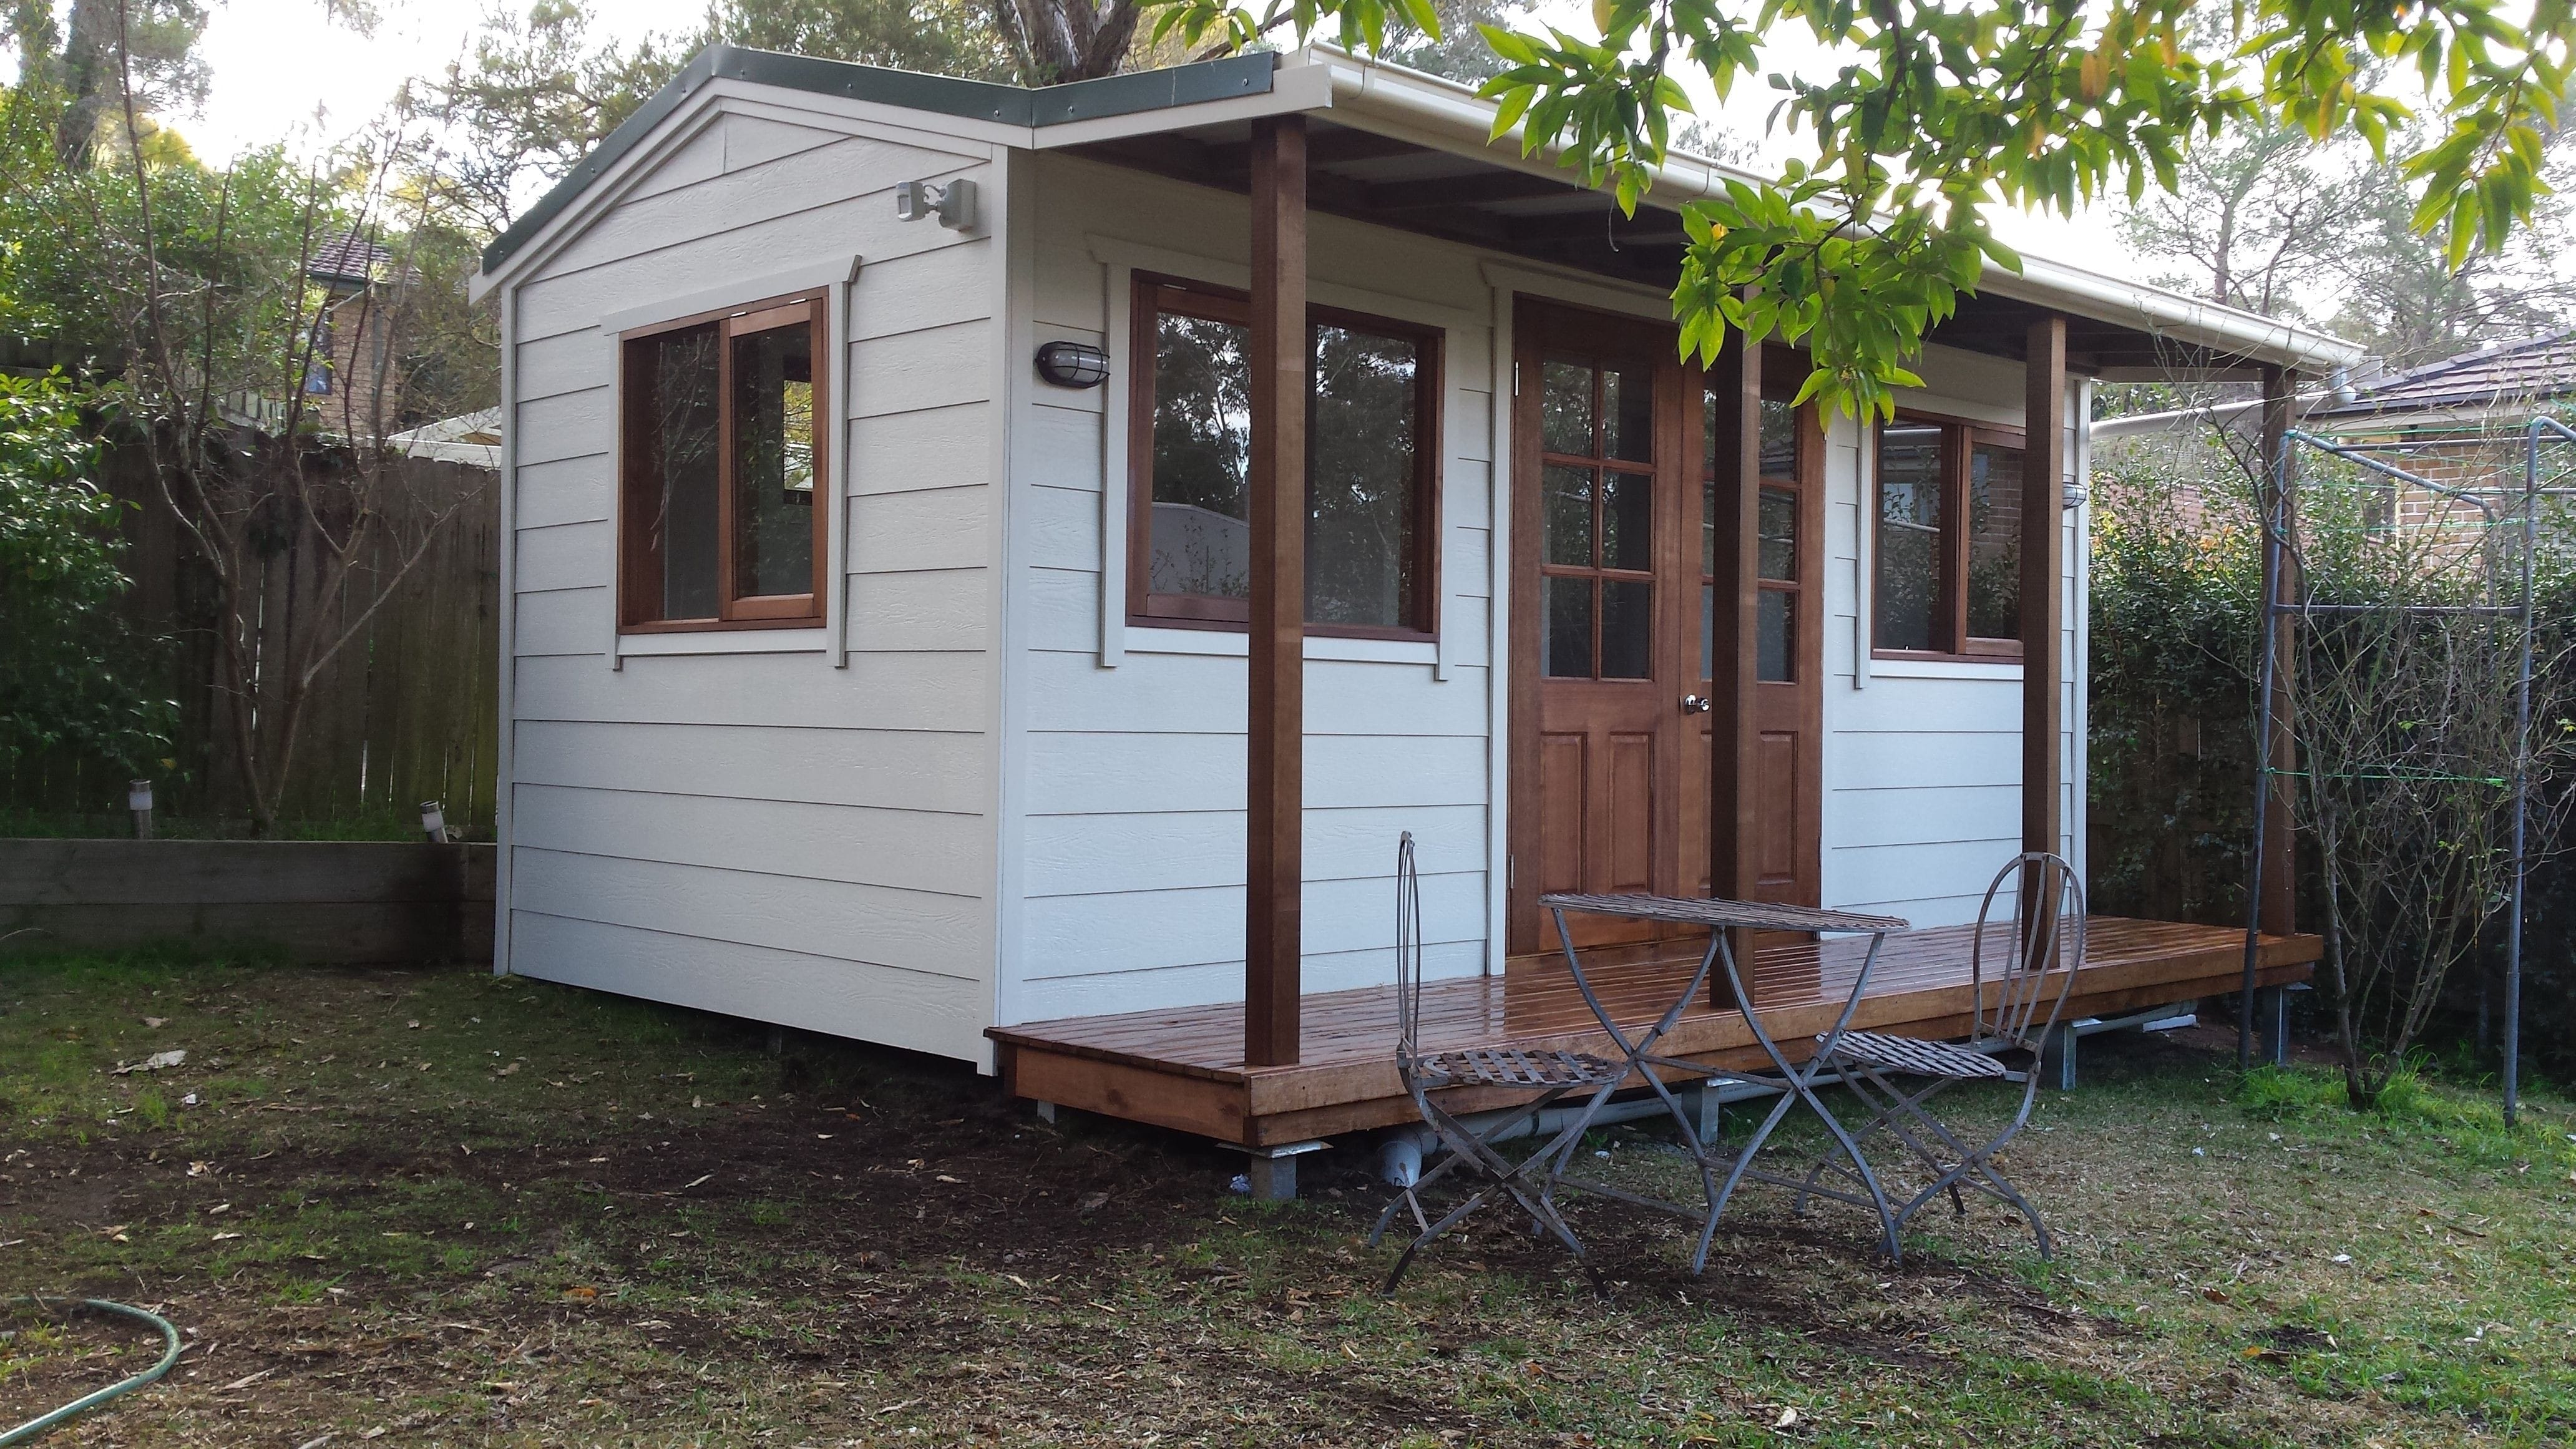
2276, 518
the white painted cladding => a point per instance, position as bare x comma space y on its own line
977, 795
1127, 757
791, 825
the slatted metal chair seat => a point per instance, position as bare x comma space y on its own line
1511, 1066
1916, 1057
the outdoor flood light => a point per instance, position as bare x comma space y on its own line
1073, 364
433, 821
138, 798
953, 204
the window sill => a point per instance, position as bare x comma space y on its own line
2005, 670
1234, 644
806, 640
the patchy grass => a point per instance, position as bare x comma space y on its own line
474, 1211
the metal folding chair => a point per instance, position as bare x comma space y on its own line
2007, 1043
1546, 1071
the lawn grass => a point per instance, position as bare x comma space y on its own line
468, 1210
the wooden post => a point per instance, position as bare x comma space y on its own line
2043, 588
2280, 903
1735, 386
1275, 755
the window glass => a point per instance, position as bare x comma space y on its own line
1779, 440
1367, 544
1775, 636
1907, 583
679, 438
1627, 521
1200, 541
1565, 408
1627, 415
1363, 512
1566, 495
1565, 648
773, 471
1994, 542
1627, 629
1778, 526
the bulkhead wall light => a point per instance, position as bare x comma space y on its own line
1073, 364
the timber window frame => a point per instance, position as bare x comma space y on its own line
643, 594
1956, 442
1155, 296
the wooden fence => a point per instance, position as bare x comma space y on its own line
328, 901
408, 711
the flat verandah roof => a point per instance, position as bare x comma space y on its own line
1184, 1068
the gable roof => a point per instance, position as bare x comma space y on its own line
1396, 147
2531, 369
1116, 95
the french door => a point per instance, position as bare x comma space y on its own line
1612, 503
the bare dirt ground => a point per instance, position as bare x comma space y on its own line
431, 1207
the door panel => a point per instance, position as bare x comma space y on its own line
1602, 615
1788, 702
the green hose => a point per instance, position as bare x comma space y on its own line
26, 1433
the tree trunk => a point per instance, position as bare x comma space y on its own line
1070, 40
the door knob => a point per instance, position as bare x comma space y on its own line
1697, 704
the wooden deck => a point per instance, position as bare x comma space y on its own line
1184, 1068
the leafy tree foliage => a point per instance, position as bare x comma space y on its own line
1937, 114
71, 669
83, 56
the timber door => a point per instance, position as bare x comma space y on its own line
1603, 616
1788, 693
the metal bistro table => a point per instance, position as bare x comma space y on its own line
1796, 1084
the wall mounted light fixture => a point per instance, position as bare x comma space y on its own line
1073, 364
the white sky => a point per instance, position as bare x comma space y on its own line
281, 71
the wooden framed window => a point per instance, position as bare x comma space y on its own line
1372, 467
1947, 546
723, 490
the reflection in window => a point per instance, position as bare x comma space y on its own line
720, 466
1363, 512
680, 385
1367, 486
1201, 542
773, 432
1994, 542
1906, 585
1565, 648
1775, 637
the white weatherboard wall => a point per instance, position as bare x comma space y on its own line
1923, 758
791, 825
1130, 776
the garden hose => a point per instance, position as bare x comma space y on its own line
26, 1433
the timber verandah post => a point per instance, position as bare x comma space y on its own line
1274, 767
2043, 583
1734, 384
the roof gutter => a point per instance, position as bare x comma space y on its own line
1452, 117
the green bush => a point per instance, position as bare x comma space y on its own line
70, 665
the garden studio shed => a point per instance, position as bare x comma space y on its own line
897, 646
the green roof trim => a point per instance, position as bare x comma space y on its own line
1116, 95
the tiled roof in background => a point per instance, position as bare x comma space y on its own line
351, 258
2536, 367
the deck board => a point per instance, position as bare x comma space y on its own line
1184, 1068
